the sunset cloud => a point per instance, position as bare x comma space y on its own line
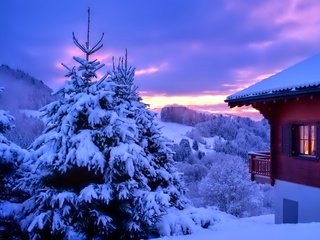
158, 101
147, 71
205, 103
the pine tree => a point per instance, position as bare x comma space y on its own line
185, 149
101, 169
195, 145
11, 156
152, 169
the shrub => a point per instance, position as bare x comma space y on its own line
228, 187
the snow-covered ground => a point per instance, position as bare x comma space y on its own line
229, 227
174, 131
253, 228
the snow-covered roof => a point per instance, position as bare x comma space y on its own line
299, 76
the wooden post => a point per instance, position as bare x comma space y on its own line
251, 163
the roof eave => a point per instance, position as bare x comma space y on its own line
246, 101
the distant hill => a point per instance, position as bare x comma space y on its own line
22, 91
228, 134
183, 115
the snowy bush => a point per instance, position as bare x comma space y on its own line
192, 175
268, 198
187, 221
228, 187
209, 159
196, 136
192, 172
195, 145
182, 152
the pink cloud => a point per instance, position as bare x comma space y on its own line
224, 109
245, 77
301, 18
205, 103
151, 69
147, 71
158, 100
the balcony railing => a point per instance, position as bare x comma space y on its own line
260, 167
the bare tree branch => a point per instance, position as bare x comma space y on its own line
88, 31
76, 42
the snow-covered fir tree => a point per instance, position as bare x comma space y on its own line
11, 156
101, 169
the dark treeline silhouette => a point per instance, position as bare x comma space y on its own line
183, 115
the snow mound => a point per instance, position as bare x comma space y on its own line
252, 228
188, 221
173, 131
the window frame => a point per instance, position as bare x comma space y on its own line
296, 140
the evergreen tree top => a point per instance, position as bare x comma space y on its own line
85, 48
83, 75
123, 76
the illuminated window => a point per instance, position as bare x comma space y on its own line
305, 139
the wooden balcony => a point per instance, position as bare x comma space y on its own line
260, 167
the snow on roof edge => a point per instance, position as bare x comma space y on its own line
270, 91
303, 74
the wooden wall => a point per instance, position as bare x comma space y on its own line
284, 112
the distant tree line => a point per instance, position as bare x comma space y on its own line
183, 115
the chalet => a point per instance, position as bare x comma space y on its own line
290, 101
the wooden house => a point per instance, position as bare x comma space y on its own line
290, 101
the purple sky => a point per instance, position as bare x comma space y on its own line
194, 52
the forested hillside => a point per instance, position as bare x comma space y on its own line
213, 157
183, 115
22, 91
